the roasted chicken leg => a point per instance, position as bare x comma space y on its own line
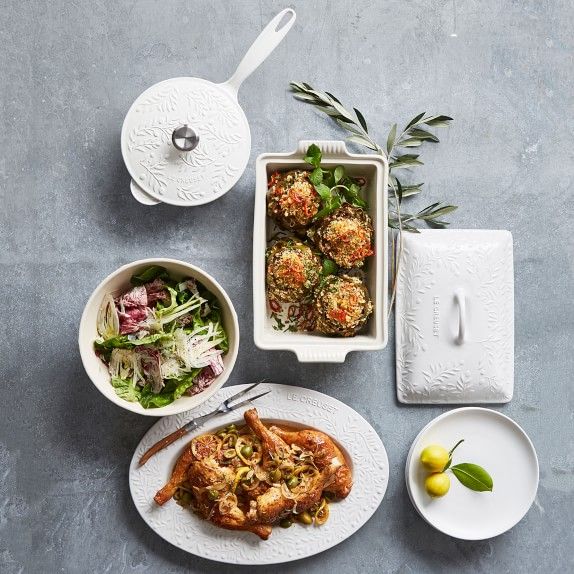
250, 479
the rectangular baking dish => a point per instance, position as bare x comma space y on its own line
311, 347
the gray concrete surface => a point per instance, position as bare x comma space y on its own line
68, 73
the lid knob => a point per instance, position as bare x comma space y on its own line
184, 138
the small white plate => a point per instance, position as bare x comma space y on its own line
296, 406
493, 441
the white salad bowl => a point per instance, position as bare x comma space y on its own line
312, 347
119, 281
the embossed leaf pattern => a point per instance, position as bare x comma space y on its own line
490, 378
183, 529
210, 168
154, 177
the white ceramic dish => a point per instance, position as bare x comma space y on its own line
311, 347
162, 173
293, 405
455, 317
493, 441
119, 281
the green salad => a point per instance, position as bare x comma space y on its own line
161, 339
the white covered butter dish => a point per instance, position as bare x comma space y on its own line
455, 317
313, 347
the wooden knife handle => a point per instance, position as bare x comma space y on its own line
161, 444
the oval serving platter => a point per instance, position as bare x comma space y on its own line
293, 405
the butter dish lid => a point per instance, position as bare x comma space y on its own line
455, 317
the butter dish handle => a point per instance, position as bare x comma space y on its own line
460, 300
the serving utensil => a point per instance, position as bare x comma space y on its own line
186, 141
223, 408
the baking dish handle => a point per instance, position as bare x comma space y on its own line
327, 147
310, 355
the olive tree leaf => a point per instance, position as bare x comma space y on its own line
437, 121
361, 140
415, 120
473, 476
423, 135
391, 139
413, 135
410, 142
404, 161
361, 119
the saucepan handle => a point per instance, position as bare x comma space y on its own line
265, 43
141, 195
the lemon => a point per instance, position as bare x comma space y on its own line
437, 484
434, 457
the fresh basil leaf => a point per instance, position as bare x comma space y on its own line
316, 176
329, 178
339, 173
329, 267
473, 476
126, 390
149, 274
313, 155
351, 194
323, 191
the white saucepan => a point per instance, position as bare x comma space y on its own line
186, 141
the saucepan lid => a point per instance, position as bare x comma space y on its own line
186, 141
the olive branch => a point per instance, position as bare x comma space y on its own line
414, 134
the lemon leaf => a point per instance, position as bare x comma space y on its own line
473, 476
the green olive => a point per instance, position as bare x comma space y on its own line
246, 451
286, 523
231, 440
184, 497
305, 517
276, 475
292, 482
213, 494
221, 433
229, 453
230, 428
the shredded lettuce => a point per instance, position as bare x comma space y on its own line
126, 389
